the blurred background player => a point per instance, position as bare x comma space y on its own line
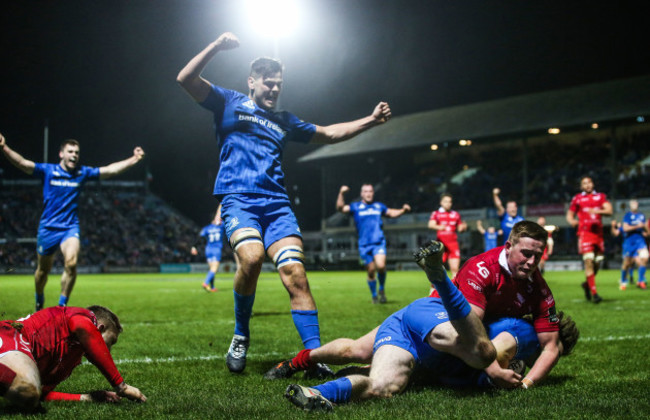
490, 235
213, 234
255, 208
509, 215
40, 351
548, 251
372, 244
627, 263
59, 224
585, 213
447, 223
634, 245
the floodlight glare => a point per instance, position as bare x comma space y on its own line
273, 18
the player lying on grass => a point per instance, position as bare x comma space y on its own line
40, 351
514, 339
455, 329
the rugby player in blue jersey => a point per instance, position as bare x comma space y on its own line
213, 234
255, 206
372, 244
509, 215
59, 224
634, 245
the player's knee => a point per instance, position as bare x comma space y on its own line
384, 388
485, 352
245, 236
290, 259
24, 394
588, 256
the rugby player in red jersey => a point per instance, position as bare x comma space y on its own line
447, 223
585, 213
506, 282
40, 351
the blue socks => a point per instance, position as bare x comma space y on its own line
63, 300
455, 303
40, 299
337, 391
372, 285
382, 280
243, 312
306, 323
623, 276
209, 279
642, 274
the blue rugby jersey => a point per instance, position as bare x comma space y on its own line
61, 193
252, 140
634, 219
507, 223
213, 234
367, 219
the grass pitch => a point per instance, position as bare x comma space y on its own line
176, 335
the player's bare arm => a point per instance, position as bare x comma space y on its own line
550, 354
497, 202
16, 159
340, 200
462, 227
571, 218
336, 133
116, 168
394, 213
503, 377
479, 227
190, 76
433, 225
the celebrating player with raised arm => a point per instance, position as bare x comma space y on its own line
585, 213
509, 215
59, 224
255, 205
40, 351
372, 244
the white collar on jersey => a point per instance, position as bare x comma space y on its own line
593, 192
442, 210
503, 261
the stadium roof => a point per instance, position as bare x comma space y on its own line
521, 115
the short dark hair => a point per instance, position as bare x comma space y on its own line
72, 142
527, 229
106, 317
265, 67
443, 195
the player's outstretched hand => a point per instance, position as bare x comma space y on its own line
344, 189
406, 208
101, 397
130, 392
506, 378
227, 41
2, 140
496, 191
382, 112
138, 153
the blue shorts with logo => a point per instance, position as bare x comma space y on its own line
632, 246
49, 239
271, 216
409, 327
213, 253
368, 252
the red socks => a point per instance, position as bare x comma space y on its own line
302, 360
591, 281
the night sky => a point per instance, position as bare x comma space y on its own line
104, 72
